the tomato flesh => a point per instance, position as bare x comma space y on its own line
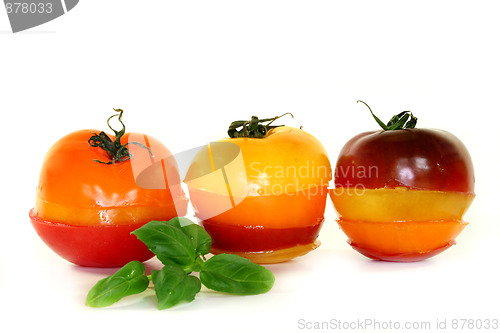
93, 246
399, 204
283, 211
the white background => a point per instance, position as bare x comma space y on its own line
183, 70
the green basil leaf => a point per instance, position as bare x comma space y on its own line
201, 240
168, 242
236, 275
128, 280
198, 264
173, 285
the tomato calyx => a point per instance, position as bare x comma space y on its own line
253, 128
116, 151
403, 120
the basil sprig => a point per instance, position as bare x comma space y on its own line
181, 246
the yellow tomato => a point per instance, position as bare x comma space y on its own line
263, 198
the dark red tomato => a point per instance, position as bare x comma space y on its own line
421, 159
401, 192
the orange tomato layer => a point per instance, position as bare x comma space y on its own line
105, 216
76, 190
399, 204
293, 210
401, 241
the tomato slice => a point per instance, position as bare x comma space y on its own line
400, 257
401, 241
93, 246
256, 239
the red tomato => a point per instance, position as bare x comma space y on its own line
85, 210
401, 194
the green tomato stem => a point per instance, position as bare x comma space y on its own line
253, 128
403, 120
114, 149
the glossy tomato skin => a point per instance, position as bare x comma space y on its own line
403, 257
270, 196
420, 159
75, 189
92, 246
85, 210
256, 239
